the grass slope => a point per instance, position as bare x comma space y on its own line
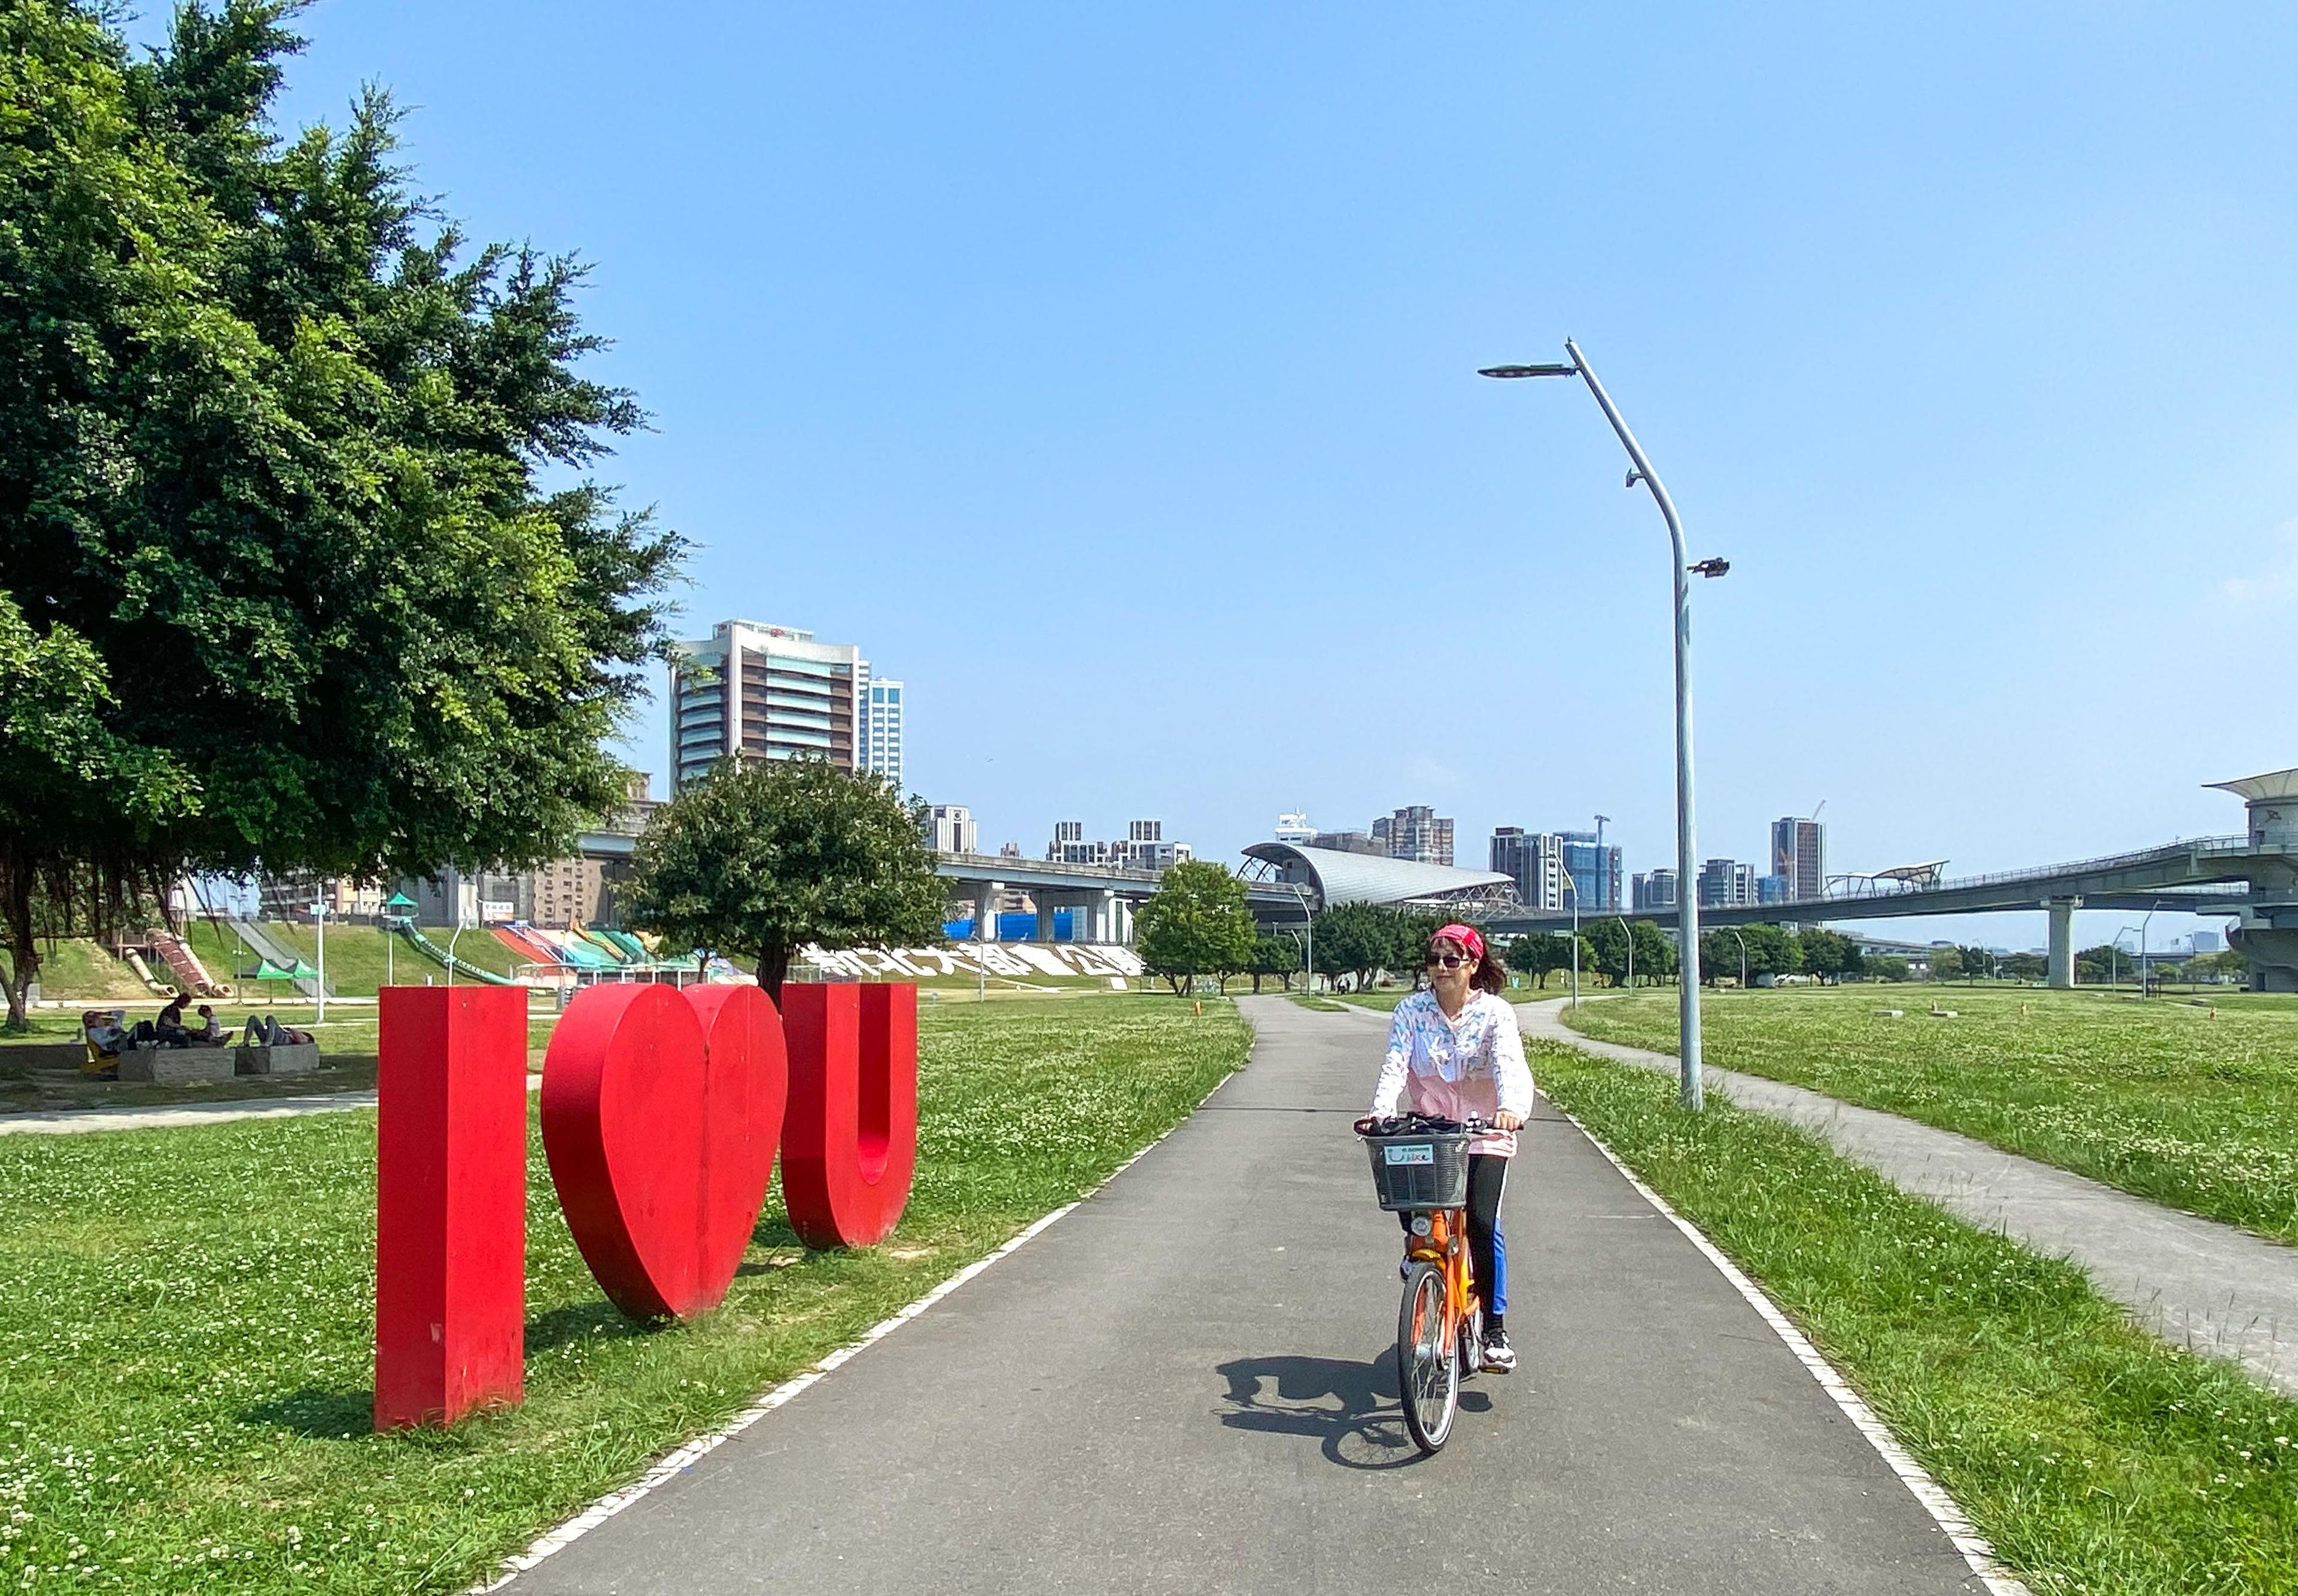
2191, 1107
2097, 1459
186, 1335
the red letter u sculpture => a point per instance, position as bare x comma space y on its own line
851, 1143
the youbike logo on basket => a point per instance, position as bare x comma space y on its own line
662, 1112
1418, 1153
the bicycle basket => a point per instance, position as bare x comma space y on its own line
1426, 1169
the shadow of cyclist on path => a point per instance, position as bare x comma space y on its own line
1348, 1406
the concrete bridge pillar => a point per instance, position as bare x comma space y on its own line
1047, 906
1105, 918
2062, 938
985, 912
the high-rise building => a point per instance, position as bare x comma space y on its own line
770, 693
1771, 889
1656, 889
950, 830
1594, 867
1800, 854
1348, 842
1534, 862
1727, 883
878, 748
1296, 830
2206, 942
1414, 832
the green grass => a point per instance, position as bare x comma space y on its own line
2192, 1107
185, 1329
2096, 1457
1320, 1005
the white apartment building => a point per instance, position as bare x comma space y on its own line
774, 693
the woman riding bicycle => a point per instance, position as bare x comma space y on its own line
1454, 1054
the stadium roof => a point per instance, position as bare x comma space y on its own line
2279, 786
1346, 878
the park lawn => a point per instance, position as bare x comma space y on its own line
2096, 1457
2195, 1108
187, 1335
1317, 1003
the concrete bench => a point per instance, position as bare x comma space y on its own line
296, 1058
161, 1066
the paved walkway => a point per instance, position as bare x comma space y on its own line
1185, 1385
2210, 1288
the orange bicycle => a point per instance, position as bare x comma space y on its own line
1420, 1168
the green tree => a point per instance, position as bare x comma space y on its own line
1772, 950
2026, 966
1947, 962
274, 453
1889, 967
1827, 953
1197, 923
1976, 962
1358, 941
1274, 953
1607, 950
1655, 950
760, 859
1540, 954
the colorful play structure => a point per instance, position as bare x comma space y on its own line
578, 956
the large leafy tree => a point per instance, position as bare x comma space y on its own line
759, 859
295, 477
1197, 923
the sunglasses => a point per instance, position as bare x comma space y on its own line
1451, 961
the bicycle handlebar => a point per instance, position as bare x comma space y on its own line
1405, 1124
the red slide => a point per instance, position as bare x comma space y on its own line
190, 975
530, 947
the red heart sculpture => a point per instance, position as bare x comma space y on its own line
660, 1113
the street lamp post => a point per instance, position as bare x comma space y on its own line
1309, 922
1574, 888
1688, 1087
320, 915
1742, 942
1628, 931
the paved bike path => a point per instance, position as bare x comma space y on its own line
1185, 1385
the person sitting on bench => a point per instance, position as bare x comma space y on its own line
170, 1029
104, 1032
210, 1033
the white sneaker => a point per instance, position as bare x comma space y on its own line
1500, 1358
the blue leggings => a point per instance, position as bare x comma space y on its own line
1487, 1247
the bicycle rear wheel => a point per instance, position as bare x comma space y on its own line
1428, 1373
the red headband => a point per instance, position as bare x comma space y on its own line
1466, 936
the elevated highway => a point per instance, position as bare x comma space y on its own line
2252, 877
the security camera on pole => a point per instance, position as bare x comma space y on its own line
1688, 900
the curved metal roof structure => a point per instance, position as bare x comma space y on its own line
2275, 786
1336, 877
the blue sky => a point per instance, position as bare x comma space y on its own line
1106, 372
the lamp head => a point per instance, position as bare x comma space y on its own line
1550, 369
1711, 568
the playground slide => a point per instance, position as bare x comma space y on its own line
190, 975
573, 949
597, 939
144, 973
628, 945
439, 956
523, 941
268, 946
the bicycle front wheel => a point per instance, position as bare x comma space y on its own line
1427, 1374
